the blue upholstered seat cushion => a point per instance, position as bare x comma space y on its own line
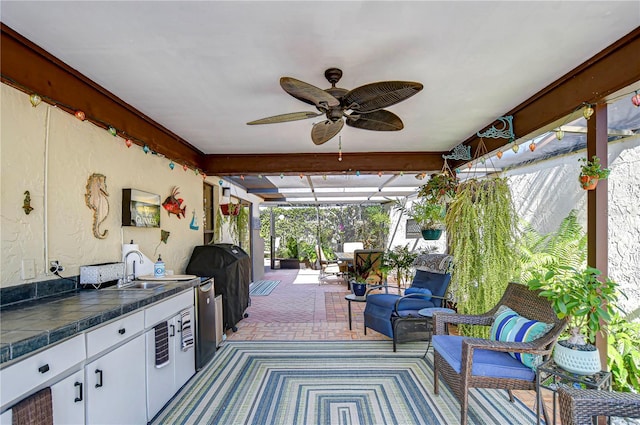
485, 362
388, 301
424, 292
509, 326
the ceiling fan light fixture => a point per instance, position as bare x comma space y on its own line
366, 104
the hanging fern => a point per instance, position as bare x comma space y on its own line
481, 227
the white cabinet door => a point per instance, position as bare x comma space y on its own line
185, 361
68, 400
116, 386
160, 381
164, 382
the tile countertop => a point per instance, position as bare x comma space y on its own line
32, 325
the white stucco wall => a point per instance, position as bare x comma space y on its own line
53, 156
545, 192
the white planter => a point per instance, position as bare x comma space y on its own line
576, 361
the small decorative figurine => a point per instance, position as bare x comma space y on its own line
26, 206
194, 222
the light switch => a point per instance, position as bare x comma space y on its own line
28, 269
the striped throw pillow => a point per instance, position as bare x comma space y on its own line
509, 326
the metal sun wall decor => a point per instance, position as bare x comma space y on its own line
97, 199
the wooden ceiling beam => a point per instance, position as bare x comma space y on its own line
31, 69
611, 70
324, 163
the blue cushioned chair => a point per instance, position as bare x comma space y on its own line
465, 363
389, 313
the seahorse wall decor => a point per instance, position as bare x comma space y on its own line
97, 199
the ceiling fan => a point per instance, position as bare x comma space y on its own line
366, 104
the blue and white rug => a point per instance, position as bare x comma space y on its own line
332, 383
262, 287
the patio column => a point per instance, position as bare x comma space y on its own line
597, 207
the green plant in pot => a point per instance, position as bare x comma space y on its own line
441, 187
429, 216
587, 302
591, 172
400, 260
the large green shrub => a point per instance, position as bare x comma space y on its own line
623, 352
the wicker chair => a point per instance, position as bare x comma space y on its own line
465, 363
578, 407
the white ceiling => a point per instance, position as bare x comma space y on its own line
203, 69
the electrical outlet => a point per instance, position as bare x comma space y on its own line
28, 269
55, 267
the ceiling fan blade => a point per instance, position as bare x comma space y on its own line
378, 121
375, 96
308, 93
322, 132
293, 116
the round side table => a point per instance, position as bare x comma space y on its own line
428, 314
354, 298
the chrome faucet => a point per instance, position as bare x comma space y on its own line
129, 277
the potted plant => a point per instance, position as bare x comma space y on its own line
481, 232
429, 215
231, 208
591, 172
441, 187
400, 259
587, 302
358, 286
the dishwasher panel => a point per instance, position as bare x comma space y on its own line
206, 339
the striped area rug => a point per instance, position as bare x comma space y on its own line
332, 383
262, 287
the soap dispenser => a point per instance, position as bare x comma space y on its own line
158, 268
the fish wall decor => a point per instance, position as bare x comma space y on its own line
173, 204
97, 198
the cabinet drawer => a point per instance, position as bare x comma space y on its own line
18, 380
113, 333
167, 308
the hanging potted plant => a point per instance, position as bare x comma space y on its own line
441, 187
231, 208
429, 215
481, 231
587, 302
591, 172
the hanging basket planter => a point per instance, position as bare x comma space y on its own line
431, 234
591, 172
589, 182
230, 209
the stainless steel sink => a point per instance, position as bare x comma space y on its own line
140, 284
